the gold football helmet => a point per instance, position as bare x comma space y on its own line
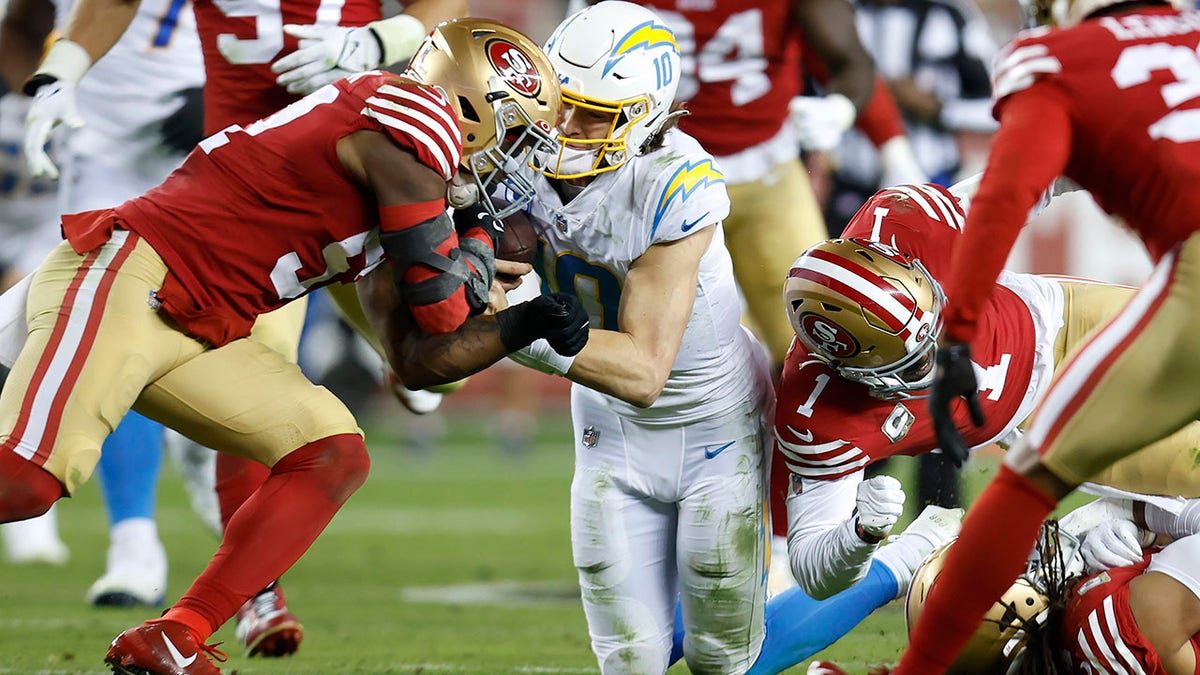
506, 97
1018, 618
1066, 13
869, 311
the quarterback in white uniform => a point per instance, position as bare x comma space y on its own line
670, 393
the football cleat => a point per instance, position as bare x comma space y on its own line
162, 647
136, 572
418, 401
265, 627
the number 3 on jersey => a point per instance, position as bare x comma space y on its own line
268, 28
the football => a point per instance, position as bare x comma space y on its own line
520, 242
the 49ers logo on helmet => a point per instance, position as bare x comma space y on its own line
515, 67
821, 333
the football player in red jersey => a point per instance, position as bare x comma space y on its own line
1105, 99
147, 303
867, 312
240, 42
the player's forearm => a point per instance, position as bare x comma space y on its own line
828, 562
97, 25
422, 360
829, 27
616, 364
23, 33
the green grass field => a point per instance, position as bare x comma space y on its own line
454, 562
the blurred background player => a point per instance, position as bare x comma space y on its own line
741, 72
935, 56
241, 87
27, 210
1055, 90
670, 391
132, 132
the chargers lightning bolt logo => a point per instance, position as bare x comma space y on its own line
687, 179
647, 35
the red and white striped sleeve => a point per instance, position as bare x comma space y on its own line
418, 117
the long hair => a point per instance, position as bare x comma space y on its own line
1044, 653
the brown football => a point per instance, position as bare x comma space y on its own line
520, 242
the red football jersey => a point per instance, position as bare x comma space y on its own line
1111, 103
259, 216
741, 67
829, 427
240, 40
1098, 628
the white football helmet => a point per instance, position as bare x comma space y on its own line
620, 58
869, 311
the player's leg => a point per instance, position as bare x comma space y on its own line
266, 627
136, 569
247, 399
771, 221
722, 542
623, 544
1130, 384
92, 343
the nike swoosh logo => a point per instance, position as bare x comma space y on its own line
687, 226
175, 655
709, 454
807, 436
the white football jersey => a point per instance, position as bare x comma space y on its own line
588, 245
125, 96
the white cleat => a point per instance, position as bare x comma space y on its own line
905, 552
418, 401
35, 541
137, 567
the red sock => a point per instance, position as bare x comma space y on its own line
270, 532
26, 489
991, 551
237, 479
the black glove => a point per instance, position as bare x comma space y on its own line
558, 317
955, 377
184, 128
475, 217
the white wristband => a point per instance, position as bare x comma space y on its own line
66, 61
541, 356
399, 36
844, 111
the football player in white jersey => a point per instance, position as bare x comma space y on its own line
667, 498
137, 114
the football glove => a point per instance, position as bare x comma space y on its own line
820, 121
880, 502
1114, 543
955, 377
326, 54
53, 90
558, 317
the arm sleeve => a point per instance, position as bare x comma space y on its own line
1030, 150
826, 555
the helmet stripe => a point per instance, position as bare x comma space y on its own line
872, 289
850, 293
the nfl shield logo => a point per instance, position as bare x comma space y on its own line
591, 436
560, 222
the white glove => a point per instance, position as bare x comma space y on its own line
326, 55
53, 103
1113, 543
820, 121
880, 502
